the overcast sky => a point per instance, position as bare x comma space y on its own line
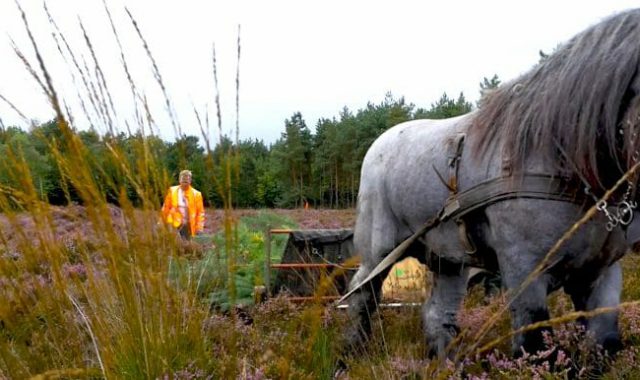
313, 57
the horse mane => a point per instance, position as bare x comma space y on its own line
576, 106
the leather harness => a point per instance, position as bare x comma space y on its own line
461, 203
507, 186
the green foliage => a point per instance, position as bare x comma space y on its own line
446, 107
293, 152
186, 153
487, 85
340, 146
631, 284
320, 168
208, 276
18, 146
267, 189
253, 156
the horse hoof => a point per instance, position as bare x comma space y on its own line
611, 344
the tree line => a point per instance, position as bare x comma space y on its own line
320, 168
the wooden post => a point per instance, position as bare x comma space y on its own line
267, 261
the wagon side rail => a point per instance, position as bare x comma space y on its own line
269, 266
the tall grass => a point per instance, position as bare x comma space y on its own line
123, 300
103, 305
207, 274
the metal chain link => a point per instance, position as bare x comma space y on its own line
624, 210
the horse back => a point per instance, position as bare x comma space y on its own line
405, 167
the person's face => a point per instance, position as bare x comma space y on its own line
185, 182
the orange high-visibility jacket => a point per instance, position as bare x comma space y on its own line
171, 214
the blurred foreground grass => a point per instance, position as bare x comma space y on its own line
134, 302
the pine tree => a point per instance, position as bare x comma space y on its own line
486, 86
295, 151
446, 107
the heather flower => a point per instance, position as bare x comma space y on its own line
188, 373
562, 360
259, 374
482, 376
630, 318
406, 366
75, 271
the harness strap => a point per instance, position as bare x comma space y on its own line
528, 185
393, 256
454, 154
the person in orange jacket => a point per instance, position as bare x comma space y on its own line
183, 208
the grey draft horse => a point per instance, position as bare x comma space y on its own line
574, 117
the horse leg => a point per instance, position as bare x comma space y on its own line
530, 303
374, 237
362, 305
603, 291
441, 310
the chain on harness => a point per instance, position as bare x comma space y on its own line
623, 212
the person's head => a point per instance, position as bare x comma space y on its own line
185, 179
